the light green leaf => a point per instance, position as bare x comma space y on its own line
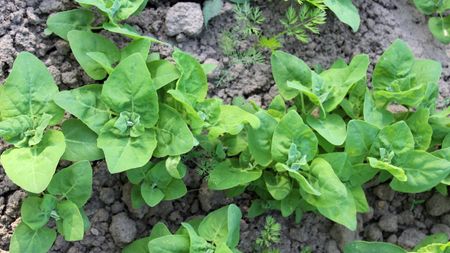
73, 183
260, 139
360, 136
163, 73
420, 128
35, 211
174, 167
38, 162
197, 243
232, 120
440, 28
173, 135
141, 46
332, 128
345, 11
424, 171
279, 186
225, 176
170, 244
211, 9
125, 152
85, 104
151, 195
138, 246
222, 226
397, 172
83, 42
291, 130
193, 81
396, 137
174, 190
29, 90
372, 247
431, 239
360, 199
286, 67
102, 60
378, 117
130, 88
72, 220
63, 22
81, 142
341, 164
27, 240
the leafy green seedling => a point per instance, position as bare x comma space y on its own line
217, 232
63, 201
437, 243
26, 111
439, 22
154, 183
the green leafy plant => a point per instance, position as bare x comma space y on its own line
317, 154
437, 243
26, 111
269, 236
439, 22
63, 202
217, 232
82, 19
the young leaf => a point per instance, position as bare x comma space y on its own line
29, 90
27, 240
170, 243
440, 28
85, 104
125, 152
222, 226
141, 46
232, 120
83, 42
193, 81
197, 243
260, 139
424, 171
173, 135
38, 163
211, 9
397, 172
36, 211
372, 247
332, 128
291, 130
163, 73
61, 23
286, 67
420, 128
81, 142
72, 221
151, 195
345, 11
378, 117
396, 138
360, 136
73, 183
279, 186
175, 168
225, 176
129, 88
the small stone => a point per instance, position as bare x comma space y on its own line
94, 231
392, 239
342, 235
123, 229
446, 219
50, 6
331, 247
117, 207
410, 238
388, 223
406, 218
69, 77
384, 192
107, 195
184, 17
440, 228
373, 233
438, 204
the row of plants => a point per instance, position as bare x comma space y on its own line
312, 149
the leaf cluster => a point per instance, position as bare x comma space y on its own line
218, 232
437, 243
316, 154
439, 21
